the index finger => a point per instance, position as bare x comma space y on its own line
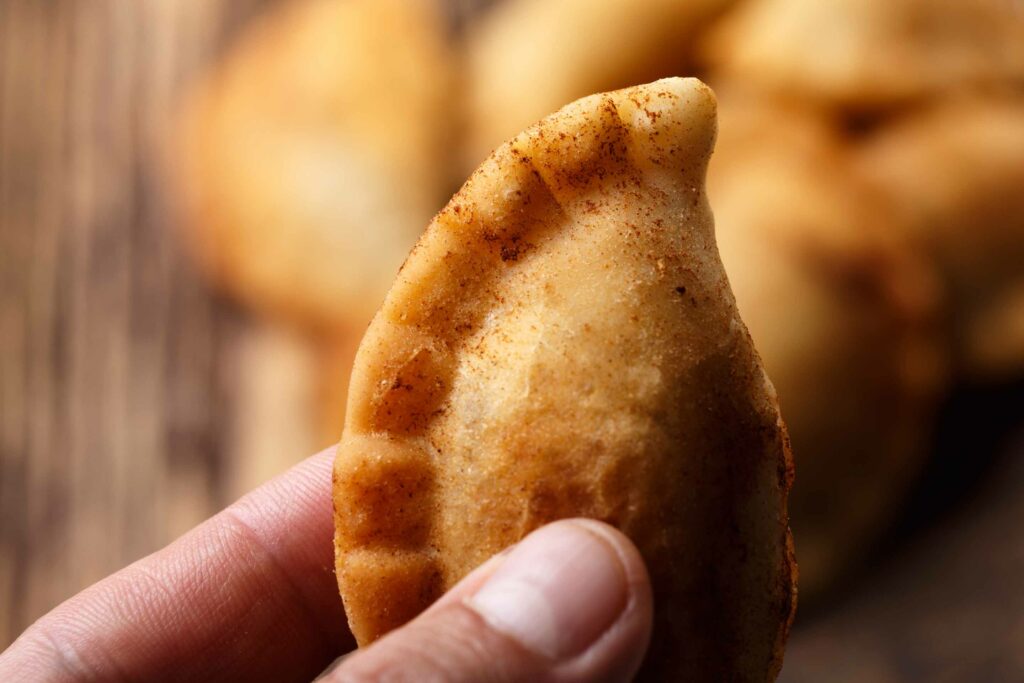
248, 594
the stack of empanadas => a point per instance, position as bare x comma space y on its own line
886, 79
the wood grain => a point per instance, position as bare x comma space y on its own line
114, 382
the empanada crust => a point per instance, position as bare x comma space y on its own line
956, 173
563, 342
312, 156
869, 54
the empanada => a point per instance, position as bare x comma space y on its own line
957, 172
562, 341
843, 315
526, 58
868, 54
315, 154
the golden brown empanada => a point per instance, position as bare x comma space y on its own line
957, 172
562, 341
315, 154
527, 58
867, 54
842, 314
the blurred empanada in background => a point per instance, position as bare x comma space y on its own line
315, 154
527, 58
956, 171
562, 342
843, 316
867, 54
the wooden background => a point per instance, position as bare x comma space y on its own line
117, 365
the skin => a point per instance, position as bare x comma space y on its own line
250, 595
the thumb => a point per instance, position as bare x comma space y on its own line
571, 602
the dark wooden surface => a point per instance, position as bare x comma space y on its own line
116, 363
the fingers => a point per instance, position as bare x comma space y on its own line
250, 594
571, 602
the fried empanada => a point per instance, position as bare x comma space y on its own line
315, 154
957, 171
867, 54
527, 58
562, 342
843, 316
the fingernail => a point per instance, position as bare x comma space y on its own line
556, 592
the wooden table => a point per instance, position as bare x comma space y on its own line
117, 365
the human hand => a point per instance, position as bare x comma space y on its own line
250, 594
